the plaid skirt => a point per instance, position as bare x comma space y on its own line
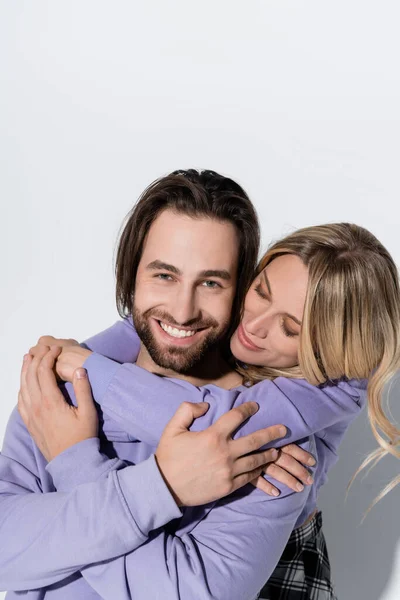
303, 572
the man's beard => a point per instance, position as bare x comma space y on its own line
176, 358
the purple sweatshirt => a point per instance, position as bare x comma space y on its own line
93, 523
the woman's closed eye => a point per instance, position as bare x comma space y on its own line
259, 290
287, 331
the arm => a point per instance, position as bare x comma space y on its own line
146, 402
305, 409
48, 535
223, 553
94, 522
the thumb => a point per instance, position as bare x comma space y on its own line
83, 391
185, 415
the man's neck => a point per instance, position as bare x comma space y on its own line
212, 369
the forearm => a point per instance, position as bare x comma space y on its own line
143, 403
47, 536
228, 552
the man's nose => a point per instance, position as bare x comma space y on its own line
259, 326
185, 307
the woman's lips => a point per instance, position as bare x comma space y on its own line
244, 340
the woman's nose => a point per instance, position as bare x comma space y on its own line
258, 326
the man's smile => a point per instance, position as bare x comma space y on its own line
176, 332
182, 336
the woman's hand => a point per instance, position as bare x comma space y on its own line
289, 469
70, 358
54, 424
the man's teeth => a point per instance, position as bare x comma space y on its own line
178, 333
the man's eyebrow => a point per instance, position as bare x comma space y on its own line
156, 265
270, 293
220, 273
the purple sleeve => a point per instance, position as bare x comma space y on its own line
226, 552
120, 342
145, 402
47, 536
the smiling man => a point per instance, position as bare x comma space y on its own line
185, 260
183, 300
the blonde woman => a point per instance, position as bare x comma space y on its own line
321, 317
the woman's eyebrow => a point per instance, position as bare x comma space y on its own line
294, 318
267, 282
270, 293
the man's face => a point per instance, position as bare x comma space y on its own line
185, 287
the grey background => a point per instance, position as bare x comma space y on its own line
297, 101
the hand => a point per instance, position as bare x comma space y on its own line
288, 469
71, 357
200, 467
53, 424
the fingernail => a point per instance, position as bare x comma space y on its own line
299, 487
309, 480
81, 373
26, 356
311, 461
274, 453
275, 493
282, 431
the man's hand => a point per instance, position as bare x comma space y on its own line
200, 467
70, 358
53, 424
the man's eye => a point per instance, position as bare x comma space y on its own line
164, 276
211, 284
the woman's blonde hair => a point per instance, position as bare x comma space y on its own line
351, 320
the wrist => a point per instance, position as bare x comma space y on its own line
167, 482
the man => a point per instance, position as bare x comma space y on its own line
180, 289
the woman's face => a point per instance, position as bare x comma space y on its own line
273, 310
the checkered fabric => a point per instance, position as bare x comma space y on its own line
303, 572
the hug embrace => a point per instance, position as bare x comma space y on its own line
183, 457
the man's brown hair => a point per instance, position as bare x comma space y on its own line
196, 194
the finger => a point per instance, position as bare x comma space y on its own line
32, 382
256, 440
290, 464
265, 486
185, 415
49, 340
253, 461
241, 480
46, 378
21, 407
35, 350
299, 454
23, 395
24, 369
230, 421
83, 392
272, 470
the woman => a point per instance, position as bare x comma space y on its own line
349, 332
